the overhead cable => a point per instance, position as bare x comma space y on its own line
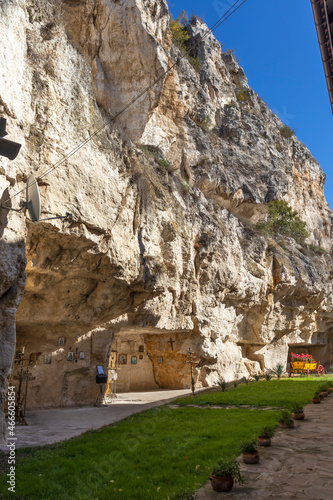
216, 25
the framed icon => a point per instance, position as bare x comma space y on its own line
62, 341
122, 359
33, 358
81, 354
160, 359
133, 360
70, 356
141, 356
47, 359
113, 359
141, 348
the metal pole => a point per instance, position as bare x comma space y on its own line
26, 391
192, 378
19, 392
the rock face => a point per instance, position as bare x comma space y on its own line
162, 253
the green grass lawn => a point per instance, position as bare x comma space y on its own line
151, 455
155, 454
278, 393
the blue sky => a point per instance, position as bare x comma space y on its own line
277, 45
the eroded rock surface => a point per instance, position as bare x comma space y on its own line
162, 253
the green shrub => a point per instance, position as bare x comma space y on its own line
249, 447
223, 384
285, 417
179, 32
243, 95
297, 408
267, 432
278, 370
286, 131
256, 378
184, 494
206, 124
283, 220
268, 376
196, 63
181, 38
228, 468
317, 249
184, 186
164, 165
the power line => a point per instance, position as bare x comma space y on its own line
216, 25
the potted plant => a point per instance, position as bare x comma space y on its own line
250, 453
265, 437
327, 386
324, 390
224, 474
297, 412
316, 400
286, 420
323, 393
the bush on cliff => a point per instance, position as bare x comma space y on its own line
181, 38
283, 220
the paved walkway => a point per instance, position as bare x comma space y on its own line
298, 465
58, 424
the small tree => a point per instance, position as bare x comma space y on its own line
283, 220
178, 30
181, 37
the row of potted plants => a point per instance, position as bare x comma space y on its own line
322, 392
228, 471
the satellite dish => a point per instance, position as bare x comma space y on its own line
33, 199
32, 203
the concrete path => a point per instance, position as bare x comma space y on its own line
298, 465
58, 424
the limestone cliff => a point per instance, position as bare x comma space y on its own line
162, 253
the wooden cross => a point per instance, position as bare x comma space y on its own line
191, 358
171, 342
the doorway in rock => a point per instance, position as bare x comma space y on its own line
318, 351
151, 361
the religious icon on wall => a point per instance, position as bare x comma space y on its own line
62, 341
34, 357
141, 348
47, 359
141, 356
133, 360
19, 356
81, 354
160, 359
123, 359
113, 359
70, 356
